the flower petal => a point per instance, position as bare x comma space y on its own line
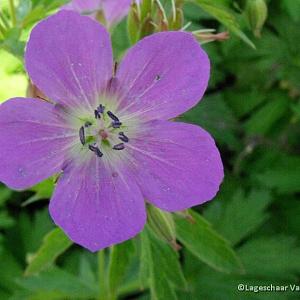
83, 6
176, 165
115, 10
164, 75
33, 141
97, 207
69, 58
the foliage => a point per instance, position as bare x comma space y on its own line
248, 234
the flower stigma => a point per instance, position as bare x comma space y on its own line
102, 131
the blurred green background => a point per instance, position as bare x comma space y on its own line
252, 108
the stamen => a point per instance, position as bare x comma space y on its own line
96, 150
100, 109
123, 137
116, 124
120, 146
87, 124
112, 116
97, 114
82, 135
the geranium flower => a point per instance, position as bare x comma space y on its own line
109, 135
113, 11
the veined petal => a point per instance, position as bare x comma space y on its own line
97, 207
69, 58
176, 165
162, 76
34, 140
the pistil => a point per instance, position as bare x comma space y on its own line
102, 133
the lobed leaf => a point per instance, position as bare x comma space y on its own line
163, 267
54, 244
206, 244
241, 215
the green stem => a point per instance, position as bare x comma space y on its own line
13, 12
111, 291
102, 276
2, 31
4, 21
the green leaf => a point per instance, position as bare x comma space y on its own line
12, 43
241, 215
163, 265
279, 171
120, 40
5, 194
214, 115
275, 257
262, 121
56, 284
23, 9
34, 15
245, 101
225, 16
86, 272
27, 235
10, 270
119, 261
6, 220
42, 191
200, 238
292, 7
54, 244
210, 285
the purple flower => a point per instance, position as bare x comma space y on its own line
113, 10
108, 134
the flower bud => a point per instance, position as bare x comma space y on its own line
256, 12
177, 22
100, 17
162, 225
134, 23
187, 215
34, 92
207, 37
146, 8
163, 24
147, 27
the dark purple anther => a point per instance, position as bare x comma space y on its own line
97, 114
82, 135
123, 137
120, 146
100, 109
112, 116
96, 150
116, 124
